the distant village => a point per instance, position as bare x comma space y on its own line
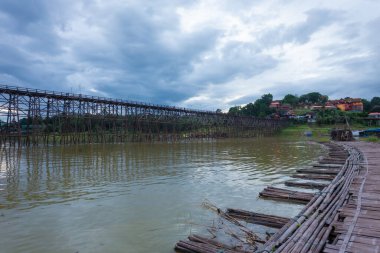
347, 104
354, 105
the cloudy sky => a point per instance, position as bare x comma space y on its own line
200, 54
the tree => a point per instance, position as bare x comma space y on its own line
376, 108
366, 105
266, 99
249, 110
260, 108
314, 98
375, 101
235, 110
290, 99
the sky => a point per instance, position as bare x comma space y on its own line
205, 54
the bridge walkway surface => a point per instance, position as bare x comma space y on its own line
358, 226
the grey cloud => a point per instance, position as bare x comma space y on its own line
33, 21
136, 59
333, 87
316, 19
149, 64
243, 100
143, 55
359, 53
299, 33
237, 60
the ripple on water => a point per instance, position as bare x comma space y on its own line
117, 196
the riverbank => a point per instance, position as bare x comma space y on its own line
318, 133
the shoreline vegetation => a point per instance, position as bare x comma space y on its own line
310, 106
319, 133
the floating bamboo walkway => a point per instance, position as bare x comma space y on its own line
357, 228
343, 216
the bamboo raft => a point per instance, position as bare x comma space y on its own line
258, 218
314, 176
201, 244
307, 185
286, 195
318, 171
327, 166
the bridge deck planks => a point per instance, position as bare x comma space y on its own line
366, 233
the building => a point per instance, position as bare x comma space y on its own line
282, 110
374, 115
348, 104
373, 119
275, 104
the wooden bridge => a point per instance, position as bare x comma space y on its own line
31, 117
343, 216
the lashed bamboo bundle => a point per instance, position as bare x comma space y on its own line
327, 166
332, 161
318, 171
199, 244
286, 195
308, 231
250, 235
314, 176
258, 218
308, 185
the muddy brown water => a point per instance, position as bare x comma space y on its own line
136, 197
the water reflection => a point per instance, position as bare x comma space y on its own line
127, 193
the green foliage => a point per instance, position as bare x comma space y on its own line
258, 109
313, 98
236, 110
366, 105
291, 100
372, 139
376, 108
265, 99
375, 101
330, 117
339, 117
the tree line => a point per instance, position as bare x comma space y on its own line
261, 107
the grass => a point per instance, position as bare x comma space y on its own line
319, 133
371, 139
301, 111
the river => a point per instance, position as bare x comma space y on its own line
136, 197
